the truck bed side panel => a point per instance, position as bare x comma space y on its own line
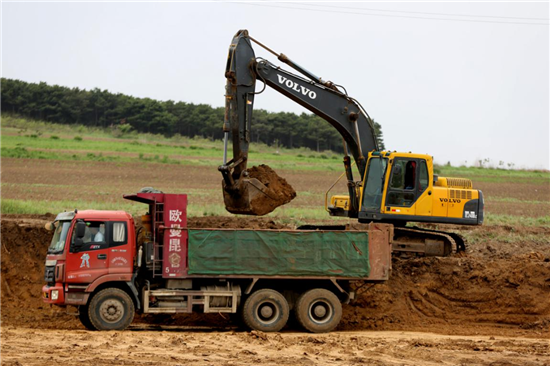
279, 253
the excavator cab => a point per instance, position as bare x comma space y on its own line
402, 187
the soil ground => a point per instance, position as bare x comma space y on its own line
489, 306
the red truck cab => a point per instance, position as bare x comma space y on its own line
76, 266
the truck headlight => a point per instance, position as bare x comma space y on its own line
55, 294
51, 262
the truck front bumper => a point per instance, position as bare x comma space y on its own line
53, 294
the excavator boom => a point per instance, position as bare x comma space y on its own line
244, 194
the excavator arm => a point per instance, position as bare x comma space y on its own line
246, 195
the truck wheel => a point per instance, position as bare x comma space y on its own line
111, 309
84, 317
266, 310
318, 310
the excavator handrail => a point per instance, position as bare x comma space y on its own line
332, 186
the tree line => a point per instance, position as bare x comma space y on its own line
101, 108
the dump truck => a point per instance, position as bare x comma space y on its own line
109, 268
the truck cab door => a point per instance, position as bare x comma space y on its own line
120, 248
89, 260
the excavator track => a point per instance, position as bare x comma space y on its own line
427, 242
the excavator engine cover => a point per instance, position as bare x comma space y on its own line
261, 192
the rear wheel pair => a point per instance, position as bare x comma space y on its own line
317, 310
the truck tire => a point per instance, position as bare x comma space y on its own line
318, 310
266, 310
84, 317
111, 309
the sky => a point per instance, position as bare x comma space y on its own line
461, 81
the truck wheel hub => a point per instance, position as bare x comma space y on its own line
111, 310
320, 311
266, 312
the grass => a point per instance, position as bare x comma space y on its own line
295, 216
492, 174
27, 139
12, 206
23, 138
476, 237
134, 151
512, 220
515, 200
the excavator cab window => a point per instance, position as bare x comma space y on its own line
423, 176
372, 194
404, 188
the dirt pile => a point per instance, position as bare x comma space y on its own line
480, 292
279, 192
25, 242
224, 222
457, 293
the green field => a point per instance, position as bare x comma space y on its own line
38, 140
511, 196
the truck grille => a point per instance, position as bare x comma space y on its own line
49, 275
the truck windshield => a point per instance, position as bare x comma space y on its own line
59, 237
372, 195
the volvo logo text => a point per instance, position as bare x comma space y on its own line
296, 87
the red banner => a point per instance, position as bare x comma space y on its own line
175, 236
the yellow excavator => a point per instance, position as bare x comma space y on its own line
394, 187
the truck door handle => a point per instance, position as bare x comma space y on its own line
102, 256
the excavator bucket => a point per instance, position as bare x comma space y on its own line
258, 194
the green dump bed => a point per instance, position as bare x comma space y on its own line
287, 253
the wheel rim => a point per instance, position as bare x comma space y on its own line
268, 312
320, 311
111, 310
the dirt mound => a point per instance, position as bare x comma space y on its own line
279, 191
457, 293
25, 242
480, 292
233, 223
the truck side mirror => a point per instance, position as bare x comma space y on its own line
77, 241
76, 244
80, 229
